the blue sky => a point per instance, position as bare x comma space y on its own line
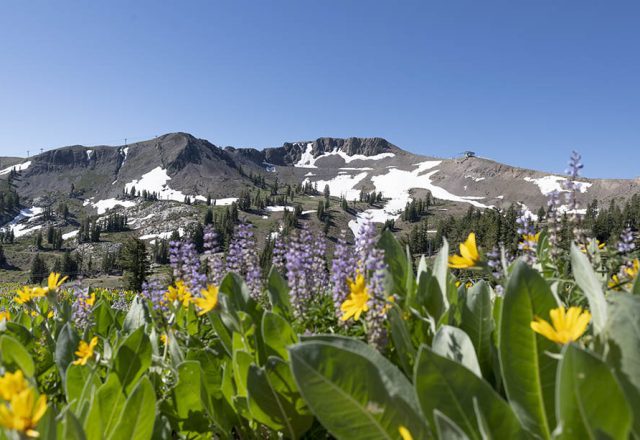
522, 82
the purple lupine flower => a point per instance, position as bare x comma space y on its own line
155, 294
279, 250
213, 255
191, 273
120, 303
627, 241
493, 261
342, 268
371, 264
81, 308
242, 258
305, 269
175, 260
572, 186
528, 238
553, 221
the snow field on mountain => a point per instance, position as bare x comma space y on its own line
548, 184
18, 167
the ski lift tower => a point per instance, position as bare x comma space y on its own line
468, 154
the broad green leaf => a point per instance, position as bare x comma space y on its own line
278, 291
66, 346
588, 281
391, 374
441, 270
350, 395
79, 386
137, 316
271, 408
13, 354
139, 413
72, 428
477, 322
241, 362
446, 428
453, 343
105, 409
188, 396
591, 403
528, 371
445, 385
221, 330
103, 318
401, 339
429, 296
277, 335
133, 358
623, 336
396, 260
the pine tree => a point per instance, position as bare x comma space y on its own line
135, 262
38, 270
3, 258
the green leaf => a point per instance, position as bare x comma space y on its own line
401, 339
396, 259
66, 346
241, 362
477, 322
72, 428
139, 414
137, 316
441, 270
79, 386
390, 373
453, 343
106, 409
13, 354
528, 372
588, 281
445, 385
350, 395
430, 296
446, 428
221, 330
277, 335
278, 291
103, 319
591, 403
188, 397
278, 411
623, 337
133, 358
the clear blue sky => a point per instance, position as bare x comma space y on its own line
522, 82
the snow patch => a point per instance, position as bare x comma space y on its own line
548, 184
89, 154
104, 205
279, 208
20, 223
308, 161
342, 185
18, 167
70, 235
161, 235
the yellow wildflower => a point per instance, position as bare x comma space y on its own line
23, 412
25, 294
356, 303
54, 281
5, 315
179, 293
85, 351
568, 325
92, 300
208, 301
405, 433
469, 256
164, 338
12, 383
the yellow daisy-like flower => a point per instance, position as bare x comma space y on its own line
92, 300
164, 338
208, 301
5, 315
24, 295
600, 246
528, 240
405, 433
356, 303
85, 351
54, 281
632, 271
12, 383
469, 256
568, 325
23, 411
179, 293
